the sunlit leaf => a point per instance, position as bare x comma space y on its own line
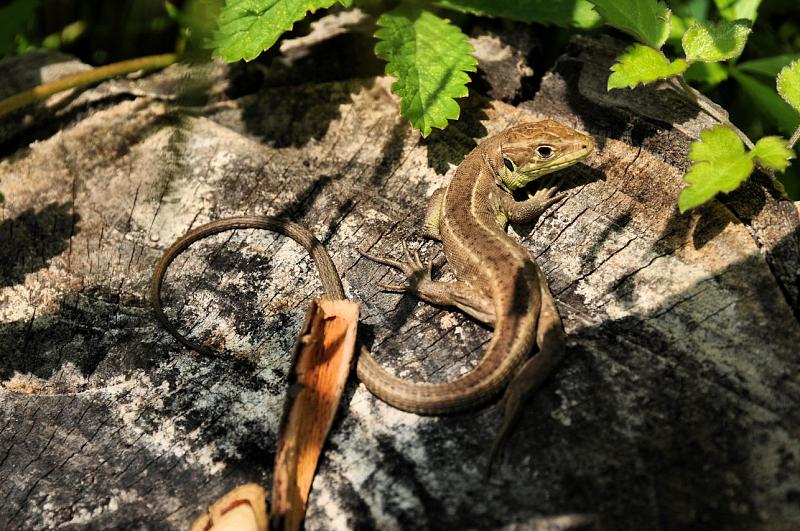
710, 42
642, 64
430, 58
771, 151
789, 84
647, 20
720, 165
248, 27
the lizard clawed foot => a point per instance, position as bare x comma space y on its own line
546, 197
546, 194
411, 266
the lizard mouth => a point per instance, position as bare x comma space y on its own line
570, 160
523, 178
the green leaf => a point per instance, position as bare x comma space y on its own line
710, 42
767, 100
678, 26
578, 13
642, 64
346, 3
698, 9
771, 151
248, 27
647, 20
430, 58
720, 165
768, 66
707, 74
789, 84
13, 20
736, 9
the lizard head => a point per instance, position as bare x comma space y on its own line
532, 150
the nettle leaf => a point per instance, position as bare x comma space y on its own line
430, 59
710, 42
559, 12
642, 64
771, 152
647, 20
735, 9
720, 165
248, 27
789, 84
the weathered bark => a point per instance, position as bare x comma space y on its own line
677, 405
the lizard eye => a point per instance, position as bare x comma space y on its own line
509, 165
544, 152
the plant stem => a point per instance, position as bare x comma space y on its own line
90, 77
794, 139
710, 111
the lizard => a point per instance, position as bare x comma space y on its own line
497, 281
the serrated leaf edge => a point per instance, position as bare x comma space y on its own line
232, 58
779, 81
634, 32
697, 163
754, 155
629, 50
427, 124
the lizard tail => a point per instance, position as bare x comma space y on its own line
507, 350
551, 340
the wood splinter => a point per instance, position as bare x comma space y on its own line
322, 356
321, 360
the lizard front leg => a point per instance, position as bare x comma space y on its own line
530, 209
418, 281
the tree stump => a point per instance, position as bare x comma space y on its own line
676, 406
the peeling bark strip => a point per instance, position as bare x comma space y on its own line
324, 352
677, 405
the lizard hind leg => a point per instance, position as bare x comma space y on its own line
418, 282
550, 338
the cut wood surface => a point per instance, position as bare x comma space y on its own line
676, 406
